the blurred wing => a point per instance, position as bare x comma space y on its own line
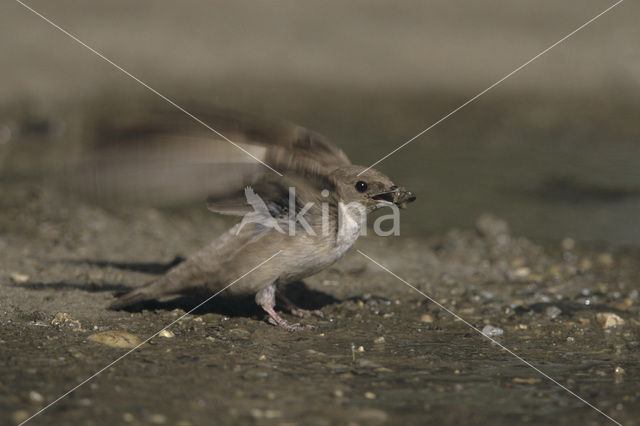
165, 156
273, 193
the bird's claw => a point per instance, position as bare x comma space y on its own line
290, 327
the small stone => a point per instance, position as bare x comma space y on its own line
491, 227
585, 265
262, 357
609, 319
62, 319
618, 375
527, 380
426, 318
378, 340
568, 244
360, 349
552, 312
158, 419
19, 278
338, 393
366, 363
35, 396
370, 395
116, 339
372, 416
523, 272
605, 260
167, 333
240, 333
571, 339
20, 416
272, 414
491, 331
128, 417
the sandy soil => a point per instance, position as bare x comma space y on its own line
383, 354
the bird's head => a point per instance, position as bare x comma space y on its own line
369, 187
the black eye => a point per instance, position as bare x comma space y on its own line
361, 186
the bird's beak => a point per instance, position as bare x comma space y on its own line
397, 195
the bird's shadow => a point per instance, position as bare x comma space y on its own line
232, 306
298, 292
146, 267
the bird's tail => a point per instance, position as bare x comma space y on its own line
152, 290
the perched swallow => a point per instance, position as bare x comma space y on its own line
313, 213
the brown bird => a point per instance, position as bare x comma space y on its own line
311, 214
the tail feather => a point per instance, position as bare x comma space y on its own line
131, 298
152, 290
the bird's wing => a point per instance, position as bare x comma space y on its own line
277, 195
160, 155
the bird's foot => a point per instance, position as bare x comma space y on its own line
295, 310
277, 320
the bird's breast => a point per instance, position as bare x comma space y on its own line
349, 225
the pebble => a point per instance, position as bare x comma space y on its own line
116, 339
240, 333
370, 395
618, 375
585, 265
605, 260
372, 416
19, 278
491, 331
20, 416
527, 380
552, 312
568, 244
609, 319
62, 319
523, 272
379, 339
36, 396
257, 414
167, 333
158, 419
426, 318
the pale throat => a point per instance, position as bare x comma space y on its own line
350, 222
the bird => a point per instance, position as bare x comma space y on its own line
303, 199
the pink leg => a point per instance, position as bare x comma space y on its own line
276, 319
266, 298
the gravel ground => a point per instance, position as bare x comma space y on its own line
384, 354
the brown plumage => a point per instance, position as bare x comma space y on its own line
320, 173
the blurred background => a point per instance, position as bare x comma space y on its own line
554, 150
